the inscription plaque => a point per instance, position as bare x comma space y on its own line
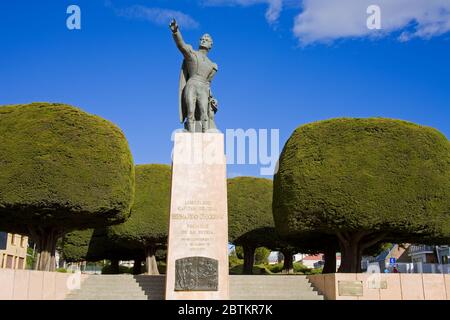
350, 288
196, 274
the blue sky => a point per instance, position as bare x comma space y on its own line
282, 63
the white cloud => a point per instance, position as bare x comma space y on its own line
328, 20
273, 10
158, 16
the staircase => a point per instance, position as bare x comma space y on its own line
255, 287
273, 287
120, 287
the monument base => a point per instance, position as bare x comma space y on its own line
197, 254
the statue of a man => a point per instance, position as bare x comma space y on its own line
197, 105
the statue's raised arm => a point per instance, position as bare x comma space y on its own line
177, 37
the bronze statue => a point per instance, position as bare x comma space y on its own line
197, 105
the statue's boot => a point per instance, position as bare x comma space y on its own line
191, 126
204, 125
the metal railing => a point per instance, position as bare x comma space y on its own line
417, 267
416, 248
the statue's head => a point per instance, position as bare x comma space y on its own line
206, 41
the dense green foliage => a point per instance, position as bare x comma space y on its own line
363, 174
31, 257
149, 220
94, 245
138, 237
62, 166
239, 252
256, 269
262, 255
250, 216
249, 209
299, 268
108, 269
76, 245
234, 260
360, 177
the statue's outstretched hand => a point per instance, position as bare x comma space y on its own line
173, 26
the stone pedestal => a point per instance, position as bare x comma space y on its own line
197, 257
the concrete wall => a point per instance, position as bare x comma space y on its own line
36, 285
40, 285
392, 286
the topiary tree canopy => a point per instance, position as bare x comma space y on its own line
147, 228
61, 170
363, 180
76, 246
251, 222
249, 213
94, 245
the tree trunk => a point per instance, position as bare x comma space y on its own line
53, 256
349, 256
330, 261
115, 266
37, 256
249, 259
352, 246
45, 239
150, 261
288, 264
137, 266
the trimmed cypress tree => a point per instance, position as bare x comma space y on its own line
76, 245
249, 214
147, 228
94, 244
364, 181
61, 170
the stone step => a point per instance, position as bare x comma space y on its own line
117, 283
110, 286
276, 297
112, 280
111, 289
108, 298
273, 276
242, 287
122, 285
284, 285
273, 290
116, 292
268, 284
269, 278
99, 295
150, 282
256, 296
